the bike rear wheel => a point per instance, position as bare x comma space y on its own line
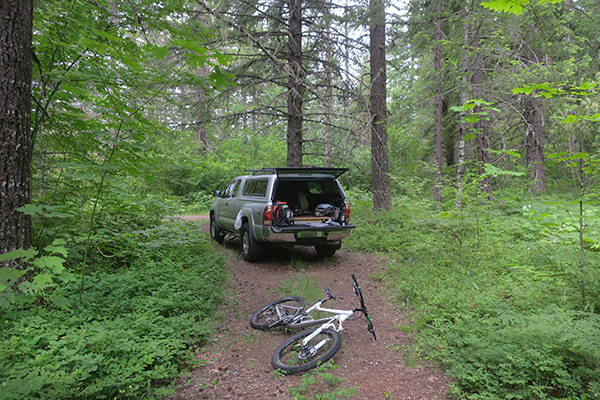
293, 358
272, 313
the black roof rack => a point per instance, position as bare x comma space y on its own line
262, 171
336, 172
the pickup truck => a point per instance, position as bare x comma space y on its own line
291, 206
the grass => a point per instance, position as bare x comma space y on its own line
302, 285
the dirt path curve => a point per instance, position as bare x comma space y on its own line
238, 361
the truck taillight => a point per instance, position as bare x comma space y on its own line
268, 216
347, 207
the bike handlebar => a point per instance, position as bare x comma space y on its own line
329, 295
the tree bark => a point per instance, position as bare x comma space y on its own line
328, 95
535, 138
382, 197
481, 126
16, 27
461, 169
295, 82
438, 103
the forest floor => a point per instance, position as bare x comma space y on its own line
236, 364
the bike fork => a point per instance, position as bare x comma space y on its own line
310, 351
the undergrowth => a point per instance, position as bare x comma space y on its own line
130, 332
304, 286
321, 384
502, 295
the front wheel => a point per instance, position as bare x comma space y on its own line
291, 357
215, 231
276, 312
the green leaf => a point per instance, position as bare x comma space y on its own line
56, 249
569, 119
23, 298
160, 52
221, 79
131, 63
223, 58
191, 46
42, 280
18, 253
30, 209
108, 36
512, 6
53, 263
495, 171
10, 274
507, 6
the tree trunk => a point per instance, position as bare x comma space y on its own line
328, 94
382, 197
16, 22
201, 138
438, 103
535, 137
461, 169
481, 126
448, 136
295, 82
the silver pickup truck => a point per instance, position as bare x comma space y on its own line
291, 206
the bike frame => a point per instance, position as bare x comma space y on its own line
329, 322
301, 319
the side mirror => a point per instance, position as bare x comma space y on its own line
217, 193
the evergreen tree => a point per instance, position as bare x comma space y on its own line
382, 199
16, 26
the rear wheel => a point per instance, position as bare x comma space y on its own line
251, 249
276, 311
292, 357
325, 251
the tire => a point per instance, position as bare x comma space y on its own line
265, 316
251, 249
215, 231
325, 251
288, 359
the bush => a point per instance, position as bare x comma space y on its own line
496, 293
550, 354
131, 334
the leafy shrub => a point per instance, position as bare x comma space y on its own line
496, 293
130, 335
550, 354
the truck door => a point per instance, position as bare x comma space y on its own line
228, 205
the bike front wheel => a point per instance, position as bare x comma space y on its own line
270, 314
291, 357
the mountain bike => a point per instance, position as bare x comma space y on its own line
312, 347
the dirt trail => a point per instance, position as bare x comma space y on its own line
238, 360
